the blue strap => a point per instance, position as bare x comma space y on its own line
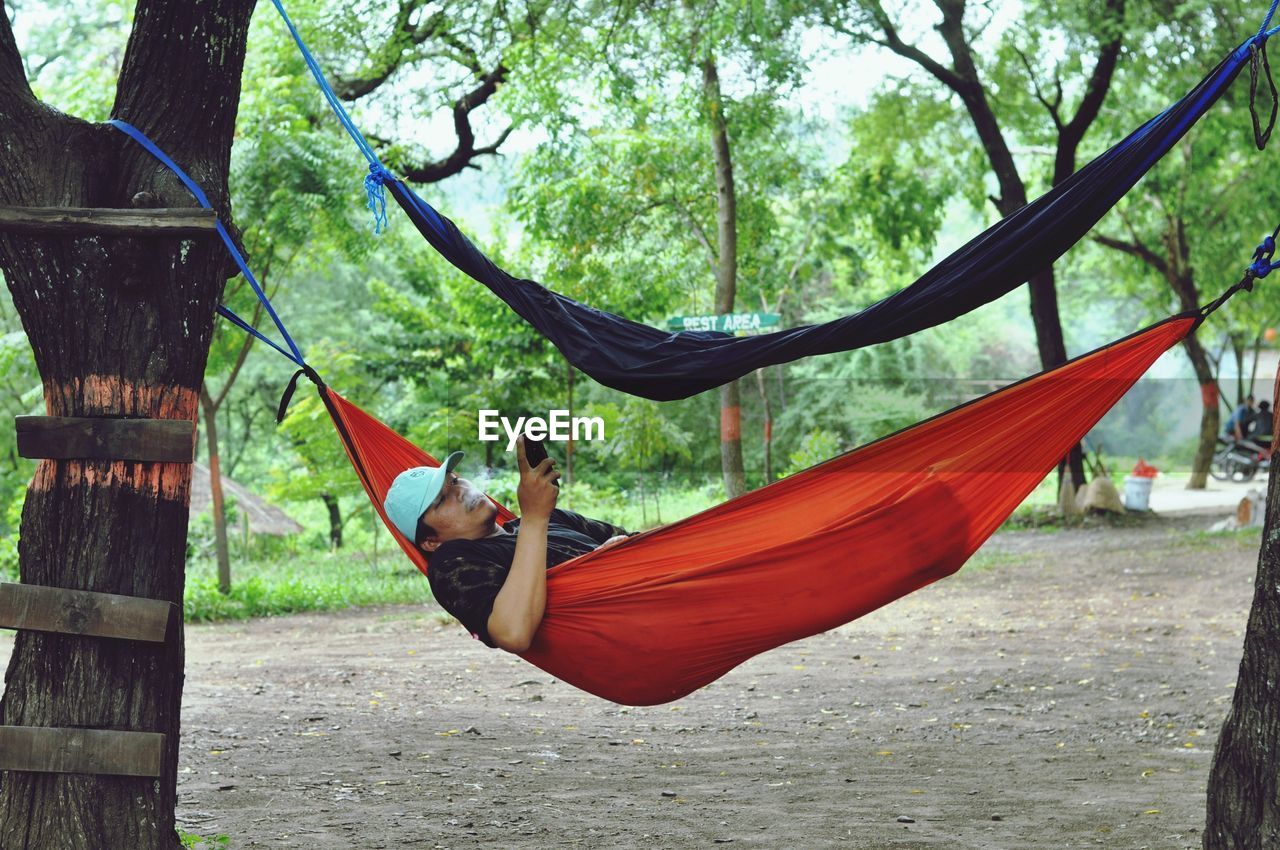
230, 316
378, 174
293, 353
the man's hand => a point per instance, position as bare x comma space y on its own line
617, 538
520, 604
536, 493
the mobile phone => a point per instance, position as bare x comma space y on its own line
535, 452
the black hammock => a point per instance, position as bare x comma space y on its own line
644, 361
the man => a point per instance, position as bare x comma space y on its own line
492, 578
1237, 427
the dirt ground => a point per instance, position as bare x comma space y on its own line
1064, 690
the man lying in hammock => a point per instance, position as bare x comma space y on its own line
492, 578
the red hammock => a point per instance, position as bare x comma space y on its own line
663, 613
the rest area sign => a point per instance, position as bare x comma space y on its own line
725, 322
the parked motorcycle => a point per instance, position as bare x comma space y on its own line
1239, 460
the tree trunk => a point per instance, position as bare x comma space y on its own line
1053, 352
768, 425
1210, 419
215, 488
119, 327
726, 276
1179, 276
568, 447
1244, 782
335, 520
1237, 350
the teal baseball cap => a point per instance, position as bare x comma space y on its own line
415, 489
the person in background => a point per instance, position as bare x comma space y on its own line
1240, 421
1262, 429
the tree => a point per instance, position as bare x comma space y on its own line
1243, 810
470, 51
1095, 28
1243, 807
1165, 241
119, 326
678, 175
1189, 223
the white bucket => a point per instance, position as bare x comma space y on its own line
1137, 493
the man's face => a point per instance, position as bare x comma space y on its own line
461, 511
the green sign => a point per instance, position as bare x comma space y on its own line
725, 322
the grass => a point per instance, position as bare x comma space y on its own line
989, 560
1206, 540
319, 581
196, 842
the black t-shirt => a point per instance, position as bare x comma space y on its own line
1261, 424
466, 575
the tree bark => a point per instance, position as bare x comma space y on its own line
335, 519
119, 327
571, 374
1244, 783
768, 425
1210, 417
221, 549
726, 276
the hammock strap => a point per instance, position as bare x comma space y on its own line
1258, 55
152, 148
378, 174
293, 386
1258, 269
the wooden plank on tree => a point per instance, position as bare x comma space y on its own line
97, 751
98, 438
81, 612
82, 221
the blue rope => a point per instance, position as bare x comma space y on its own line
141, 138
378, 174
1262, 30
1262, 265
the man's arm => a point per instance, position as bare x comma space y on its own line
598, 530
520, 605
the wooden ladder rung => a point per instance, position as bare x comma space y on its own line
101, 438
90, 221
98, 751
81, 612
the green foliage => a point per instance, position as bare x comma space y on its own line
641, 433
192, 841
9, 538
314, 581
815, 447
73, 51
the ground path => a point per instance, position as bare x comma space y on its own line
1064, 690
